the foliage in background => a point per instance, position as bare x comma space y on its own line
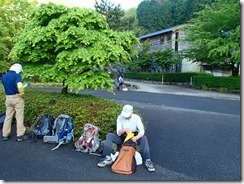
215, 35
130, 22
119, 19
113, 13
13, 17
153, 61
73, 46
143, 61
154, 15
81, 108
166, 58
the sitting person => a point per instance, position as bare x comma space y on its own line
127, 122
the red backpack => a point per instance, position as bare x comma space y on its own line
89, 140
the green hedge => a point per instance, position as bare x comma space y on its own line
144, 76
220, 83
81, 108
200, 80
167, 77
184, 77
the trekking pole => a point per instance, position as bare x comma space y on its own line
95, 154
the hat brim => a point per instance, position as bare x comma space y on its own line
126, 114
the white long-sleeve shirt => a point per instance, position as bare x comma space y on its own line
134, 124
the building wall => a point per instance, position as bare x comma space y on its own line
161, 42
188, 66
169, 40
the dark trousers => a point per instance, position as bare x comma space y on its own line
114, 138
119, 86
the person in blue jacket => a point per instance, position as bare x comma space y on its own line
14, 102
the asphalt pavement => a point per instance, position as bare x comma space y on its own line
188, 149
177, 90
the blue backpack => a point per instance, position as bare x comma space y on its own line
62, 131
42, 126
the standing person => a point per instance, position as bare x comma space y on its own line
121, 82
127, 122
12, 82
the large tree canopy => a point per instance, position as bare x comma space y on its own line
215, 35
13, 16
71, 45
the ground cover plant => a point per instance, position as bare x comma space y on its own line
81, 108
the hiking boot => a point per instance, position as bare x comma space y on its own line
23, 137
149, 165
105, 161
6, 138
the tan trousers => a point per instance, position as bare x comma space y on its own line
14, 104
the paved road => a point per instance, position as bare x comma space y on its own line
187, 143
179, 90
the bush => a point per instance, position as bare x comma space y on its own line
174, 77
81, 108
222, 84
144, 76
184, 77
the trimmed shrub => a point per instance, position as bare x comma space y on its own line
81, 108
184, 77
222, 84
144, 76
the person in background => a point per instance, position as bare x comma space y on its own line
121, 82
12, 82
127, 122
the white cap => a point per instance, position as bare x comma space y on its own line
127, 111
16, 67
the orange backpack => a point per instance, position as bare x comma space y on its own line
125, 163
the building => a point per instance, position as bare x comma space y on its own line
168, 38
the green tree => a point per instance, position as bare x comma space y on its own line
13, 16
73, 46
166, 58
129, 22
215, 35
154, 15
119, 19
112, 12
149, 14
143, 62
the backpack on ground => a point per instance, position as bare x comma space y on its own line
62, 131
2, 117
125, 163
89, 140
42, 126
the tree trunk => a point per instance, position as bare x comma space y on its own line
64, 88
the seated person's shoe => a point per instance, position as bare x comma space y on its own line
149, 165
105, 161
